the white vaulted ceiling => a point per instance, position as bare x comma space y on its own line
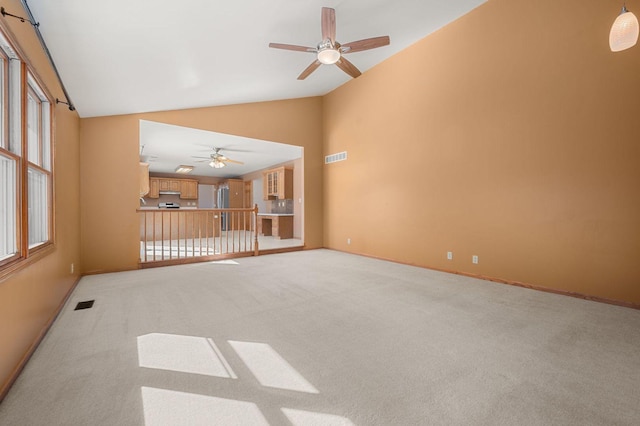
129, 56
132, 56
166, 146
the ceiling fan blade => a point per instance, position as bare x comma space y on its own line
348, 67
329, 24
366, 44
209, 148
228, 160
311, 68
292, 47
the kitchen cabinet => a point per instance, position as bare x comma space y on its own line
269, 178
154, 188
188, 189
277, 184
236, 193
170, 185
237, 200
144, 179
248, 194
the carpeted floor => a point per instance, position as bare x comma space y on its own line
326, 338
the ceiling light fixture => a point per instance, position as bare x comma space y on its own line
624, 32
328, 53
217, 164
184, 169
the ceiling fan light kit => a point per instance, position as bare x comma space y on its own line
328, 56
329, 51
217, 160
624, 31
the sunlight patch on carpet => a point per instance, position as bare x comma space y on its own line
169, 408
186, 354
310, 418
269, 368
223, 262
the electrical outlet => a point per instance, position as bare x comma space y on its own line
474, 259
72, 268
450, 255
348, 240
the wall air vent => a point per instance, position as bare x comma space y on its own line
334, 158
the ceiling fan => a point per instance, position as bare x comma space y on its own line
329, 51
217, 160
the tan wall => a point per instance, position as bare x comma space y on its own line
29, 298
512, 134
109, 169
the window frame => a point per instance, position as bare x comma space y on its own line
31, 94
4, 101
18, 202
17, 80
38, 93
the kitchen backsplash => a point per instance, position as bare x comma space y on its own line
280, 206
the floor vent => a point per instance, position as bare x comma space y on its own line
84, 305
333, 158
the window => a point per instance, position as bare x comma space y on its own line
8, 165
8, 207
26, 177
39, 168
4, 99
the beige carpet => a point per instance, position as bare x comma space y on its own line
326, 338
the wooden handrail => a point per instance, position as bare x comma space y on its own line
185, 235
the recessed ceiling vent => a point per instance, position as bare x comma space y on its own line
333, 158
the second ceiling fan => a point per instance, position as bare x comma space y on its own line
329, 51
217, 160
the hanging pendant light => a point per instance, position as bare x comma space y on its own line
624, 32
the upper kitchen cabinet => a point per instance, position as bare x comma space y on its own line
154, 188
188, 189
278, 183
170, 185
144, 179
